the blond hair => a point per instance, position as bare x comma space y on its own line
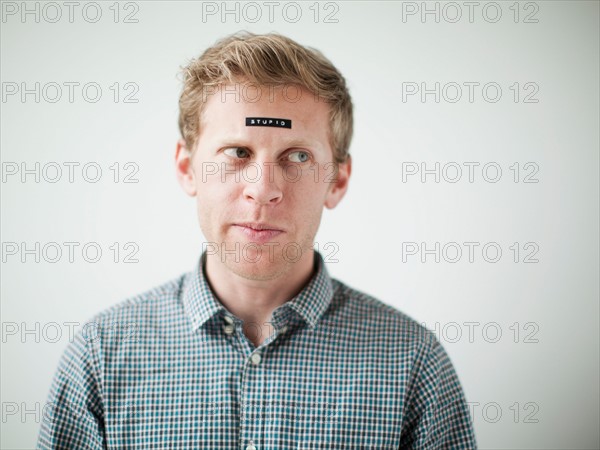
267, 60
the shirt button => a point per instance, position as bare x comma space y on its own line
255, 358
228, 319
251, 446
284, 329
228, 329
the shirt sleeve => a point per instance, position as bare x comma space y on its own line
437, 415
75, 417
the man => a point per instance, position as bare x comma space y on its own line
257, 347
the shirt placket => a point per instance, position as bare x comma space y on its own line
252, 391
253, 383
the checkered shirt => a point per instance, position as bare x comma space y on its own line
172, 369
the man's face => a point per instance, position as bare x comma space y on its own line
251, 177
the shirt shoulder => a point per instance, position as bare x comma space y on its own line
122, 328
154, 302
374, 319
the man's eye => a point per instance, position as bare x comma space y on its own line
299, 156
237, 152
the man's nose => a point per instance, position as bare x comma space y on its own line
264, 188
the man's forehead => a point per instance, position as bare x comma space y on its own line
228, 111
252, 92
234, 132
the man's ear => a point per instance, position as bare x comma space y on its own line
338, 188
184, 169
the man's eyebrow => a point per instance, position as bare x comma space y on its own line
238, 142
301, 143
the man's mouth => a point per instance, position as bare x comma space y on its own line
258, 232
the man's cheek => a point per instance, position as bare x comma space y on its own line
213, 189
306, 192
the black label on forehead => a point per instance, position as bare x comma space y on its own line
268, 122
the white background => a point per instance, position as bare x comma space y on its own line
543, 380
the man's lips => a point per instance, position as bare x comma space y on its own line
259, 226
258, 232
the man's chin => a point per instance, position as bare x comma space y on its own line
253, 261
262, 269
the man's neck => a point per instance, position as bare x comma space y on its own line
254, 301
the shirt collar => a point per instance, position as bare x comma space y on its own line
201, 304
